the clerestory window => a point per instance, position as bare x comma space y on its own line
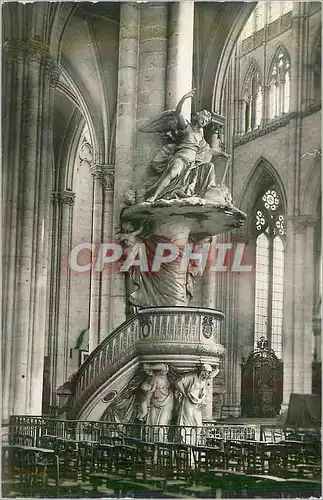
252, 99
279, 96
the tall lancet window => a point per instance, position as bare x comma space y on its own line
269, 226
279, 99
252, 99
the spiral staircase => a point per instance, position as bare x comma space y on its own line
180, 336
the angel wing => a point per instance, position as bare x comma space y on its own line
169, 123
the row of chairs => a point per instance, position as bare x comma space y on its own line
61, 467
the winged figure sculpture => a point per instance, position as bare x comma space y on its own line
183, 167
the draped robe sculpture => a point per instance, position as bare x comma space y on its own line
180, 198
182, 167
193, 392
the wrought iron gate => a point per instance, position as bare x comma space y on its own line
261, 382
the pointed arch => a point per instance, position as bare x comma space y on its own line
266, 199
61, 15
216, 87
69, 87
252, 98
278, 81
263, 175
254, 67
280, 48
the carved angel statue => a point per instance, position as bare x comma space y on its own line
183, 167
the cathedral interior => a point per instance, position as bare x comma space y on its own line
105, 367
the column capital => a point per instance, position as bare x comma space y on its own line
105, 173
63, 197
32, 51
302, 222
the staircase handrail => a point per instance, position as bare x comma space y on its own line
140, 313
136, 336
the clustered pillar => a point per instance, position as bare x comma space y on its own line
59, 300
125, 139
103, 176
299, 283
28, 76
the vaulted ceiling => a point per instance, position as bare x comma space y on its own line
84, 38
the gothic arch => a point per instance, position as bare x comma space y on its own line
62, 13
219, 50
253, 66
226, 54
70, 89
262, 176
70, 148
279, 49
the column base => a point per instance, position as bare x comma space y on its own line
231, 411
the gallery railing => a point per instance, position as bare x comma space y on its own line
27, 428
162, 330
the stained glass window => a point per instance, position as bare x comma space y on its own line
269, 225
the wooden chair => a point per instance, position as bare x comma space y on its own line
87, 457
233, 451
207, 458
225, 483
103, 470
35, 467
144, 477
11, 471
181, 474
70, 479
254, 458
46, 441
276, 453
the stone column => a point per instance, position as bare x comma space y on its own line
266, 101
60, 276
94, 331
241, 103
209, 279
298, 307
180, 54
151, 81
228, 288
125, 137
101, 233
28, 76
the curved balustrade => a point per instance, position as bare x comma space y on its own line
158, 330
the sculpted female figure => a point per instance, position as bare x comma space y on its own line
193, 389
156, 400
183, 165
